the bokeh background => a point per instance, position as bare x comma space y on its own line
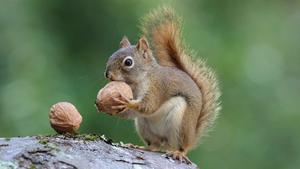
53, 51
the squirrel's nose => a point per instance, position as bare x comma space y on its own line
107, 75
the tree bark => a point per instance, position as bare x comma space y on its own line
65, 152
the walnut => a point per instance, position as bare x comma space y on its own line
104, 98
64, 117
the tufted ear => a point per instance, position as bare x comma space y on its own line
142, 45
125, 42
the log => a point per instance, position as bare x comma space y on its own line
78, 152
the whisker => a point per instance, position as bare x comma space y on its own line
94, 74
87, 67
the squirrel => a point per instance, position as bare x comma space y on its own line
175, 100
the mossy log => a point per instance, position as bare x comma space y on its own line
82, 152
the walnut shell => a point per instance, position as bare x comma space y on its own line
64, 117
112, 89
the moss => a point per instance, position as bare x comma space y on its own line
91, 138
32, 166
44, 141
76, 135
7, 139
52, 148
48, 135
73, 135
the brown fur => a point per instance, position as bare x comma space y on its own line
162, 28
174, 103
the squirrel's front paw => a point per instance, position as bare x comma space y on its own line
124, 104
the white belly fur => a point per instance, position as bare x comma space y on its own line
166, 121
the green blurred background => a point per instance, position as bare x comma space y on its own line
53, 51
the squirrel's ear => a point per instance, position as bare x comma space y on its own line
142, 45
125, 42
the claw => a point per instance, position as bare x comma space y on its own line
100, 110
178, 156
117, 107
180, 159
118, 100
124, 103
131, 146
125, 98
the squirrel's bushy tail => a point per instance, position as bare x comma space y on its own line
162, 28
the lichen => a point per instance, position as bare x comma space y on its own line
8, 164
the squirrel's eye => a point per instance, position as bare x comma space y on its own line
128, 62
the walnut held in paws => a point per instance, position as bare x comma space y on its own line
112, 90
64, 117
